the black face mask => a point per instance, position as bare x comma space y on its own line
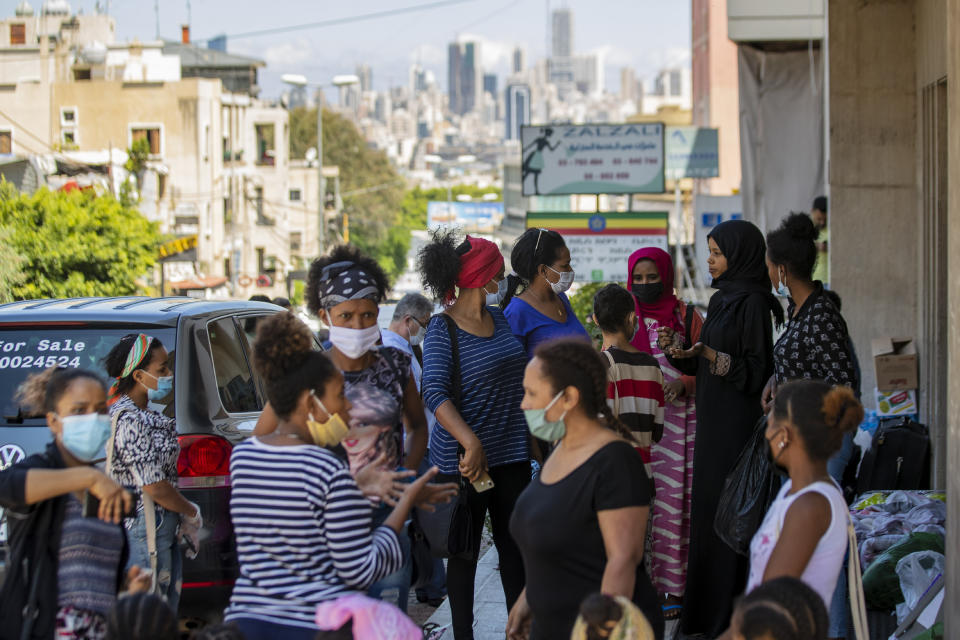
777, 469
647, 293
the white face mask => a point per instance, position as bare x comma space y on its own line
354, 343
566, 279
417, 338
494, 299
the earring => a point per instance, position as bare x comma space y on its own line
782, 444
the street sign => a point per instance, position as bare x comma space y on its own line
600, 243
692, 152
596, 158
471, 217
178, 246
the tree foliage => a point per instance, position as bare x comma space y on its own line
11, 267
76, 244
371, 189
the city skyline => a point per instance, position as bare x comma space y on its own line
390, 45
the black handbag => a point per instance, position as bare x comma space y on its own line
448, 529
898, 458
747, 493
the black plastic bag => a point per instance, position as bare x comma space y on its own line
747, 493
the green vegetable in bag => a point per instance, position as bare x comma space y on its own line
881, 585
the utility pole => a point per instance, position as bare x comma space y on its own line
156, 14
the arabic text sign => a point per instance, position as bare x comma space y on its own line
600, 243
692, 152
596, 158
472, 217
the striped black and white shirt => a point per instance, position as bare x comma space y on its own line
304, 533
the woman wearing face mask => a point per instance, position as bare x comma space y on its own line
144, 454
486, 433
77, 558
732, 360
804, 534
580, 524
542, 273
671, 458
309, 541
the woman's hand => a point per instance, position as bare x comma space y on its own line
139, 580
381, 484
665, 338
115, 501
683, 354
769, 392
674, 390
518, 622
474, 461
424, 495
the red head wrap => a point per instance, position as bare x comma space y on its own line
479, 265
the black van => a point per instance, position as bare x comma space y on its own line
217, 399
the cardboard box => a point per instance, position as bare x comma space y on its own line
896, 403
895, 363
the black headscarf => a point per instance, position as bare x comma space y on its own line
743, 246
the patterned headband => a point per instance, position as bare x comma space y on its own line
342, 281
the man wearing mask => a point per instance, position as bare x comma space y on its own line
407, 328
818, 213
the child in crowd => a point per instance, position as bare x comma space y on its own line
143, 616
780, 609
604, 617
635, 390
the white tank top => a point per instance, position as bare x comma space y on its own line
823, 569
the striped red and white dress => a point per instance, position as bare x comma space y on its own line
635, 394
671, 460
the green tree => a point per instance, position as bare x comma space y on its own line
371, 188
77, 244
11, 267
136, 164
582, 304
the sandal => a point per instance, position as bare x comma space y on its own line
672, 607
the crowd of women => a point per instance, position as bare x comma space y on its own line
600, 468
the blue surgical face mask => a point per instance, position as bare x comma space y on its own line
164, 387
782, 289
494, 299
540, 427
84, 436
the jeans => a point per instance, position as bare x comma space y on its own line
254, 629
383, 588
839, 604
169, 560
509, 482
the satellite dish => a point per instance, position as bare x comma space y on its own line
311, 154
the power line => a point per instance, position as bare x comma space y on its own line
493, 14
20, 127
345, 20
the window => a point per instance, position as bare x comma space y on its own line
235, 384
295, 195
258, 202
82, 74
6, 142
296, 240
676, 87
266, 144
68, 116
150, 134
227, 211
69, 138
261, 259
18, 33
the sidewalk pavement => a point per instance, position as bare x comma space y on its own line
489, 606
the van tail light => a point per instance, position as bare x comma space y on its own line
204, 457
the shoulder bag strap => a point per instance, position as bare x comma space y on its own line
616, 379
858, 605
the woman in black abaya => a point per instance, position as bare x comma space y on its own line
732, 362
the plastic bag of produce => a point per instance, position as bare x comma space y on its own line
881, 585
916, 571
747, 493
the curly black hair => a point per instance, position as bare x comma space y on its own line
571, 362
114, 361
141, 616
784, 608
597, 611
284, 355
534, 248
343, 253
439, 264
611, 307
793, 244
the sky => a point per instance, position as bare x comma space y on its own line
644, 34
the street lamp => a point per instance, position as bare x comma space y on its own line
298, 80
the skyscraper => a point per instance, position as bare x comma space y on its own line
519, 60
490, 84
562, 33
464, 76
517, 109
365, 74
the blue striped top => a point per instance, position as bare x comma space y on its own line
304, 533
491, 371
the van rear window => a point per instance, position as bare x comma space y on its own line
24, 351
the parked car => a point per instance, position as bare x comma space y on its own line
217, 399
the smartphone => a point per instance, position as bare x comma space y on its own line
483, 483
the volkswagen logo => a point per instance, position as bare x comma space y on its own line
10, 454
